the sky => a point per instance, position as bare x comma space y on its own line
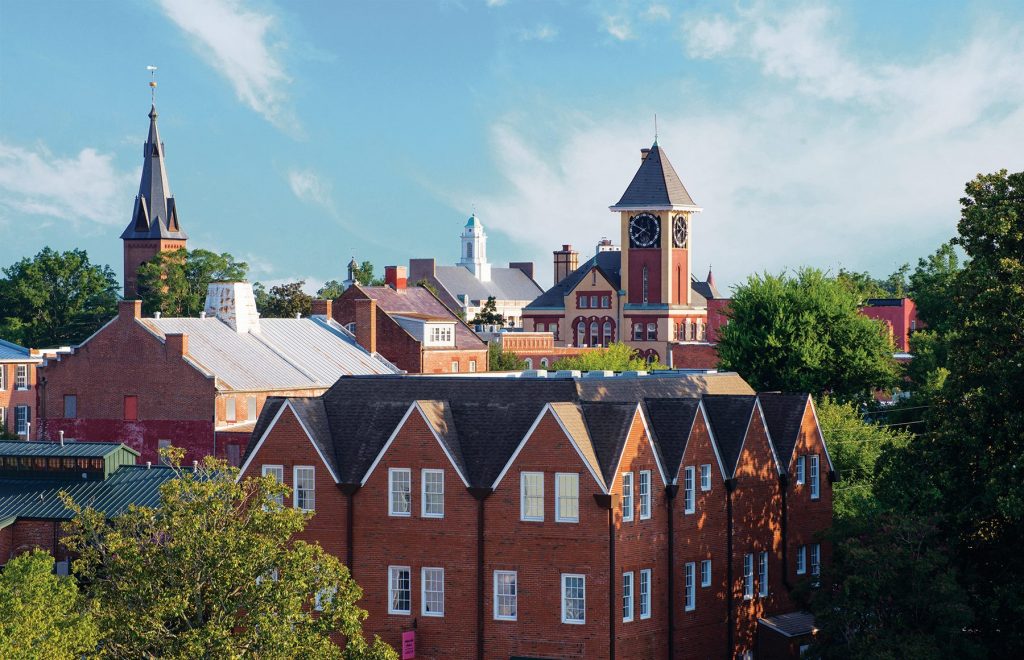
827, 134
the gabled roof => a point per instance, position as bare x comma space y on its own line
671, 421
570, 416
554, 298
609, 425
706, 288
655, 186
155, 215
420, 302
10, 352
783, 413
729, 416
505, 284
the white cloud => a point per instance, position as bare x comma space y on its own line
827, 159
85, 187
619, 27
710, 37
236, 42
496, 3
656, 12
542, 32
310, 188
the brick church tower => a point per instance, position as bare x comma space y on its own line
154, 227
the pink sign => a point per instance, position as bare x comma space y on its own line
409, 645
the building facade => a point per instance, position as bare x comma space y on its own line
662, 516
17, 388
900, 317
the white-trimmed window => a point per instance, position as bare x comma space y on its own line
304, 495
705, 477
399, 492
801, 470
432, 598
627, 496
748, 576
814, 477
323, 597
21, 377
3, 414
689, 489
455, 366
645, 494
21, 420
627, 597
230, 409
275, 471
690, 576
531, 496
645, 593
433, 493
506, 595
250, 408
567, 497
705, 573
574, 598
815, 561
399, 590
801, 560
762, 575
472, 366
3, 377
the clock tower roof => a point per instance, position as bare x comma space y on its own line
155, 215
655, 186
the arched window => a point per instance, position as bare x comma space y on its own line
638, 332
702, 333
544, 363
652, 331
529, 363
686, 331
645, 285
607, 333
581, 333
595, 339
693, 331
469, 250
679, 285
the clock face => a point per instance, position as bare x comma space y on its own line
644, 231
679, 231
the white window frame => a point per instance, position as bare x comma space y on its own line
762, 575
21, 377
325, 595
627, 497
689, 490
748, 576
705, 477
801, 470
424, 581
393, 575
230, 409
514, 596
816, 560
627, 596
645, 494
392, 511
524, 497
455, 366
251, 403
3, 377
814, 476
472, 366
583, 582
705, 573
296, 490
3, 417
645, 593
21, 420
278, 474
424, 499
690, 586
801, 560
559, 517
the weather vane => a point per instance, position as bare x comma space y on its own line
152, 83
655, 128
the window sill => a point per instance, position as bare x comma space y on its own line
399, 613
435, 516
574, 623
433, 615
690, 609
505, 618
392, 514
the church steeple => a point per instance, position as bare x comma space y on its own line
474, 249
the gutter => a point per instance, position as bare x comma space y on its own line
670, 493
480, 495
608, 501
730, 486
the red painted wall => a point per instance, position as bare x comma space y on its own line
638, 258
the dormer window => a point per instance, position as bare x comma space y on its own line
440, 334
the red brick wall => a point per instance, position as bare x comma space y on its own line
393, 342
807, 517
25, 535
440, 361
694, 356
11, 397
718, 310
196, 437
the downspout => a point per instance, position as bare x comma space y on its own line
784, 487
608, 501
350, 542
670, 498
41, 406
480, 495
730, 486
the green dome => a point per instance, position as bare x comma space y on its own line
473, 222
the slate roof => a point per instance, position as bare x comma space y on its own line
729, 416
706, 289
155, 214
784, 413
505, 284
655, 186
418, 301
671, 421
10, 352
791, 624
609, 427
284, 354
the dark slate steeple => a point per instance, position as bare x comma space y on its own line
155, 214
655, 186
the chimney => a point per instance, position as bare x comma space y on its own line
644, 153
177, 344
366, 323
129, 309
234, 304
322, 308
395, 277
567, 260
525, 266
422, 269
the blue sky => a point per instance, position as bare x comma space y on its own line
299, 134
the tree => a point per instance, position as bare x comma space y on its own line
866, 286
55, 298
501, 360
216, 571
805, 334
330, 290
285, 301
425, 284
488, 314
364, 275
932, 286
174, 283
43, 614
616, 357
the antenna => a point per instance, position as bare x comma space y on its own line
152, 83
655, 128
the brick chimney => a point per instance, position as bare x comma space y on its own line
177, 344
366, 323
395, 277
525, 266
322, 308
234, 304
566, 261
129, 309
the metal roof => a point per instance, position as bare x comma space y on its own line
791, 624
284, 354
68, 449
505, 284
10, 352
417, 301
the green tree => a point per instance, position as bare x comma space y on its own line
330, 290
616, 357
44, 617
174, 283
284, 301
932, 286
488, 314
216, 571
55, 298
500, 360
805, 334
364, 275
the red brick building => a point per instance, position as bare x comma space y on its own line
661, 516
17, 388
538, 349
409, 326
898, 314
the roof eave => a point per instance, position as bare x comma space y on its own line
656, 207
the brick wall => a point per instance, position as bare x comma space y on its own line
694, 356
10, 397
807, 517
